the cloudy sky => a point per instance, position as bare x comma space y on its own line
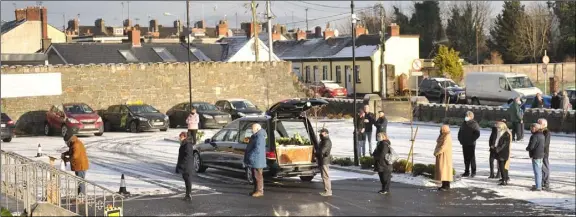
291, 13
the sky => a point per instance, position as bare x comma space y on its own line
291, 13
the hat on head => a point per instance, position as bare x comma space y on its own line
323, 130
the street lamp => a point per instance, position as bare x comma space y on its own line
177, 19
354, 78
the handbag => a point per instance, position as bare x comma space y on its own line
391, 156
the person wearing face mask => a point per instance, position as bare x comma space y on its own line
324, 158
516, 117
502, 149
193, 121
255, 158
538, 101
443, 154
77, 157
467, 135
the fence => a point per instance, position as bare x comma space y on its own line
28, 182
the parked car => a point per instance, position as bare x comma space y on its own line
7, 128
572, 95
210, 116
496, 88
328, 89
135, 117
287, 129
527, 102
238, 108
438, 88
78, 118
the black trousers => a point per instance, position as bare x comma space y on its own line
492, 159
192, 133
469, 158
545, 171
503, 170
517, 131
385, 180
188, 183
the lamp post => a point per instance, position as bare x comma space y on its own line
354, 74
188, 33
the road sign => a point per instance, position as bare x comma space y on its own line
417, 65
545, 59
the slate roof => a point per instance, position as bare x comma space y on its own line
7, 26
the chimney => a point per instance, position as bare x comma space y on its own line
328, 33
99, 23
127, 23
222, 29
318, 32
73, 27
200, 24
44, 22
394, 29
33, 14
134, 37
154, 26
248, 28
360, 30
46, 44
300, 35
20, 14
283, 29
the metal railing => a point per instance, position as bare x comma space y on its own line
28, 182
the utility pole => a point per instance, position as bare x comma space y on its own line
356, 134
122, 21
307, 20
293, 25
477, 61
188, 43
255, 30
382, 51
237, 21
128, 10
64, 22
270, 50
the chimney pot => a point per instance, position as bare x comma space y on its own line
318, 32
127, 23
300, 35
222, 28
249, 30
134, 37
328, 33
394, 29
360, 30
154, 25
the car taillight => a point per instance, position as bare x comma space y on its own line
271, 155
10, 122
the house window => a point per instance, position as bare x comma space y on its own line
297, 73
315, 73
338, 74
199, 54
324, 72
164, 54
128, 55
348, 73
357, 73
307, 74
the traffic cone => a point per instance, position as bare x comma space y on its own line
39, 152
123, 186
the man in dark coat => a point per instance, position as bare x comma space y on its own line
538, 101
255, 158
381, 124
545, 163
185, 165
556, 100
467, 135
324, 159
516, 118
360, 129
535, 150
369, 121
492, 144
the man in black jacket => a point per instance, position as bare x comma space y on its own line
369, 120
381, 124
324, 159
467, 135
545, 163
185, 165
360, 124
536, 151
555, 101
492, 143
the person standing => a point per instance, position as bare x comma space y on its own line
369, 121
538, 102
492, 144
193, 121
545, 163
516, 117
185, 164
324, 159
556, 100
380, 164
503, 140
535, 149
443, 153
467, 135
77, 157
565, 101
360, 124
381, 124
255, 158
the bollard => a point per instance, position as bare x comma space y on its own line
123, 186
39, 152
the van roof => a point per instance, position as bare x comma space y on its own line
507, 74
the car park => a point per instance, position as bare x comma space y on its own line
210, 115
290, 142
328, 89
238, 108
78, 118
135, 117
7, 126
496, 88
441, 89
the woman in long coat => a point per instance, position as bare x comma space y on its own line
380, 164
443, 153
503, 147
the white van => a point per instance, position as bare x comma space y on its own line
496, 88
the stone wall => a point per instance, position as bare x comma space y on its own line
564, 71
558, 120
162, 85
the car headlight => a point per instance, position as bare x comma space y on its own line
73, 121
142, 119
166, 117
241, 114
208, 116
99, 119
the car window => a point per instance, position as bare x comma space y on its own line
204, 107
246, 130
292, 129
53, 109
232, 136
5, 117
520, 82
219, 136
78, 109
142, 109
502, 82
59, 108
227, 106
244, 104
123, 109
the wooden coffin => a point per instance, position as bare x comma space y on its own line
293, 154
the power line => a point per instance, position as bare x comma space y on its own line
289, 2
320, 18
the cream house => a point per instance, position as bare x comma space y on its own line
29, 32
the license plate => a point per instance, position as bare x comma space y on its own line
158, 123
3, 125
89, 126
222, 122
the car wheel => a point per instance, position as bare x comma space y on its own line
475, 101
164, 130
98, 134
306, 178
7, 139
172, 122
249, 175
198, 165
107, 126
64, 130
134, 127
47, 129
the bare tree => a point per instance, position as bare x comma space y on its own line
534, 34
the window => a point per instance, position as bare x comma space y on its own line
246, 131
502, 82
232, 136
348, 74
78, 109
204, 107
164, 54
357, 74
142, 109
307, 74
338, 74
243, 104
123, 109
114, 109
298, 73
199, 54
325, 73
128, 55
315, 73
520, 82
219, 136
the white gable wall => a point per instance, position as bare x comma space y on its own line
246, 53
26, 38
401, 52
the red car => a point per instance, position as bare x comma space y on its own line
328, 89
78, 118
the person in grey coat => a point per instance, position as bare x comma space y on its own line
324, 159
185, 165
255, 158
535, 149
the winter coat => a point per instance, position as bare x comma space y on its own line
492, 139
538, 103
324, 149
185, 164
536, 145
503, 147
380, 164
443, 153
193, 120
547, 135
469, 133
555, 102
360, 123
77, 155
371, 120
255, 155
565, 103
515, 113
381, 124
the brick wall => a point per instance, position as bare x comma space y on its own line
162, 85
564, 71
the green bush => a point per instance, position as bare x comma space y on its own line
366, 162
452, 121
346, 161
5, 212
199, 135
421, 170
399, 166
